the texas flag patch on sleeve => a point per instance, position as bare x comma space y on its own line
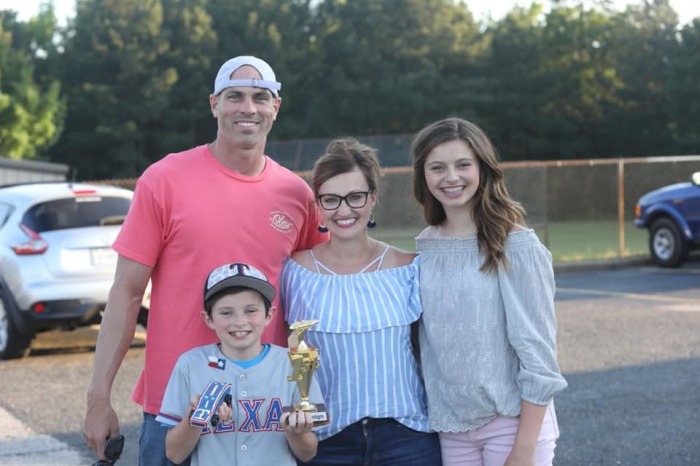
217, 363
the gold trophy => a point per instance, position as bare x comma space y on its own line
304, 360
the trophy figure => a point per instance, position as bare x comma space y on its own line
304, 360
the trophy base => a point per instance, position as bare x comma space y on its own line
319, 414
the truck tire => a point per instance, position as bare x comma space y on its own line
666, 244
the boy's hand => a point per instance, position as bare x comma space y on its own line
194, 401
193, 405
225, 413
297, 422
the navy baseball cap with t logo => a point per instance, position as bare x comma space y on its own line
238, 275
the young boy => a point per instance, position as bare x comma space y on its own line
253, 429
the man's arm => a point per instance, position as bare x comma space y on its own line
115, 336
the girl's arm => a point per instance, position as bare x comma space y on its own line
523, 452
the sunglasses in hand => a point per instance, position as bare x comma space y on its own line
113, 450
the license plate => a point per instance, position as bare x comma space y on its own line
103, 256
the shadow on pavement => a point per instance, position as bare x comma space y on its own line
632, 416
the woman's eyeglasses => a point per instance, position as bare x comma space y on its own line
354, 200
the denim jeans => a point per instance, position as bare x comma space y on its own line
152, 443
378, 442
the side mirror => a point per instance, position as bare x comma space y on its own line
695, 178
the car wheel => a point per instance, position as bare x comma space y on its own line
143, 317
13, 345
666, 245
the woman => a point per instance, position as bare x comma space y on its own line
364, 293
488, 333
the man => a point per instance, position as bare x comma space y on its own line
192, 211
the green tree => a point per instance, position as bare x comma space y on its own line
31, 107
512, 115
279, 33
391, 66
684, 91
118, 82
641, 41
188, 28
580, 81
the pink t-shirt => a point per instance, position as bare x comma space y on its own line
190, 214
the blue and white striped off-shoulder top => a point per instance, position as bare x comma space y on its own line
366, 368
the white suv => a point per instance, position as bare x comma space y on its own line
56, 260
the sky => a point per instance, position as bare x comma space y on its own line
686, 9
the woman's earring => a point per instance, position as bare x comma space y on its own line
322, 229
371, 223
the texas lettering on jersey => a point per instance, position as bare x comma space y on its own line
253, 416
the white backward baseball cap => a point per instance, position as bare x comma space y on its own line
267, 80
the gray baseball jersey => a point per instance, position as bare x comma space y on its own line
254, 436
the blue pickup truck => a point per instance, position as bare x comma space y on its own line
672, 216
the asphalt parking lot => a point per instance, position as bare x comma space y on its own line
629, 346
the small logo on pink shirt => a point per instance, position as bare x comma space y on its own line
280, 221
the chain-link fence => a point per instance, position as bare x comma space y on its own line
581, 209
300, 154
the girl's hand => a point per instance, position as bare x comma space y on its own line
521, 457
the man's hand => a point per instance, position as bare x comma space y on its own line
113, 341
113, 450
101, 422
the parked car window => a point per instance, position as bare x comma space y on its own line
76, 212
5, 211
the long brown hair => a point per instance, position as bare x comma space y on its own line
494, 213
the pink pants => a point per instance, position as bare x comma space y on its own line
491, 444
